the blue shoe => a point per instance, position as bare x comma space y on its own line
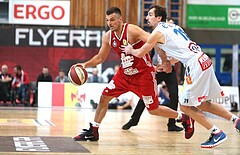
238, 125
214, 140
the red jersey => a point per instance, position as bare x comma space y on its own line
23, 78
130, 65
144, 85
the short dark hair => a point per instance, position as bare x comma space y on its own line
159, 12
113, 10
18, 67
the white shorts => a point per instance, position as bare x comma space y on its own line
200, 82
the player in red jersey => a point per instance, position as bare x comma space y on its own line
135, 74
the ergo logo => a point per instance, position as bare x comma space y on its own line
27, 11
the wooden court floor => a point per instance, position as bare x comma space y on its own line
149, 137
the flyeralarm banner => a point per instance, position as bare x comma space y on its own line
214, 14
39, 12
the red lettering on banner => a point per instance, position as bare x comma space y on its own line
45, 12
53, 12
30, 10
42, 12
17, 11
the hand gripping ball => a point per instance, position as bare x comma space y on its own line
77, 75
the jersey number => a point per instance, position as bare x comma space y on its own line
181, 32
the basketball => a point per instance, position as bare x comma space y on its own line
77, 75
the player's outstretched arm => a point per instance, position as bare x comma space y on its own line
137, 32
154, 38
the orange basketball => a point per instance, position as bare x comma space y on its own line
77, 75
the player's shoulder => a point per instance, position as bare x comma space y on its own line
133, 27
163, 27
107, 34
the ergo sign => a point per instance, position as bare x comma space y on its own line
39, 12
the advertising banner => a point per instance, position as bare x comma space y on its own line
51, 37
57, 48
69, 95
80, 96
39, 12
213, 14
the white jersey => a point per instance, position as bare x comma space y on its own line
200, 83
177, 45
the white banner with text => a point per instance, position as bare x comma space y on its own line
39, 12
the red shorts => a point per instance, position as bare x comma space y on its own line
144, 85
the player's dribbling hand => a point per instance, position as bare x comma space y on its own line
82, 64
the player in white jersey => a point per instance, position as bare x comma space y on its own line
200, 84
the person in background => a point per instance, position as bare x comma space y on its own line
43, 77
164, 95
61, 77
20, 84
110, 76
95, 78
124, 101
5, 85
